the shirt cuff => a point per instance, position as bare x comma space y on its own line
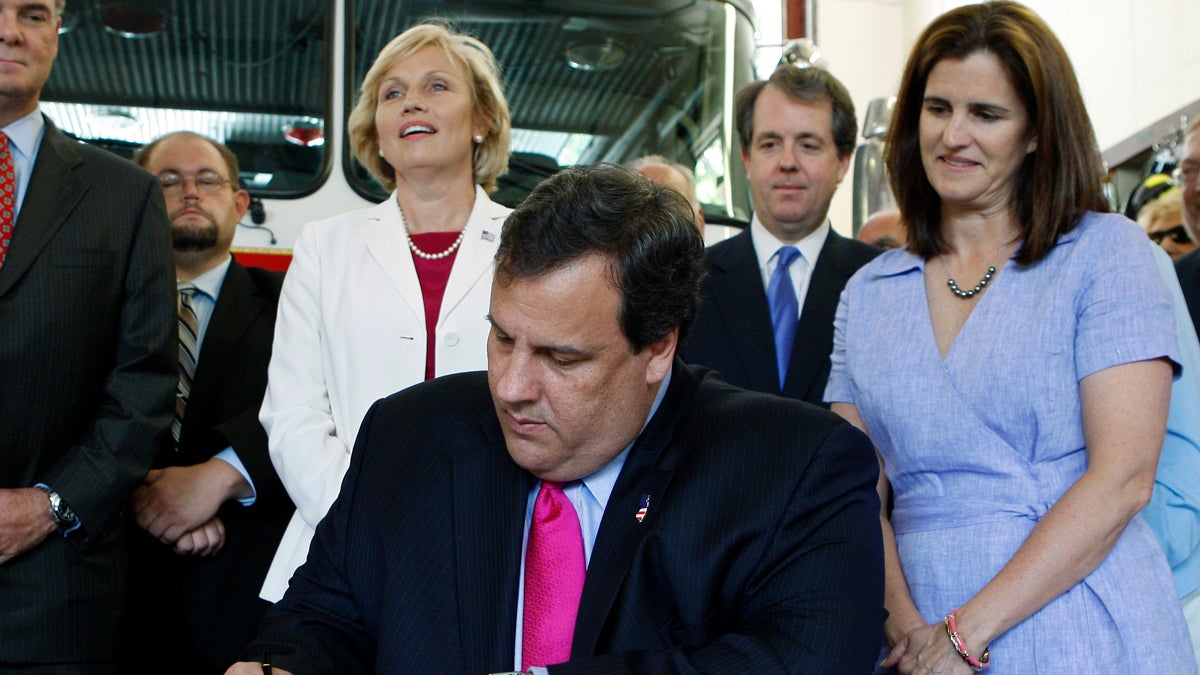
78, 523
230, 457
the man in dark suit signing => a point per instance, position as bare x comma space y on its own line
592, 504
766, 318
87, 364
211, 513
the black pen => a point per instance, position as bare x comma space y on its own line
266, 663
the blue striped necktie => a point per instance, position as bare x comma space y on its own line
785, 313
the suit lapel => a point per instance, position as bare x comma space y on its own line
490, 493
473, 263
383, 234
814, 334
647, 473
237, 306
738, 294
53, 193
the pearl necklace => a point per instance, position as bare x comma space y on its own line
433, 256
967, 295
412, 246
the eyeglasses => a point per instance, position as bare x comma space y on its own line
1177, 234
1187, 173
207, 182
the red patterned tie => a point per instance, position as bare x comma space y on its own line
8, 197
554, 574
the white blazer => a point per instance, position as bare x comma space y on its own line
351, 330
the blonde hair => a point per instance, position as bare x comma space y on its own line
1167, 205
487, 102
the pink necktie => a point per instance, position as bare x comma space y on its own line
8, 199
554, 573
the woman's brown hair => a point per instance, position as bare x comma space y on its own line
1057, 182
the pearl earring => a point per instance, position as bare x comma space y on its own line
478, 139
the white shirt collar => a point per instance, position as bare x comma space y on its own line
211, 281
766, 244
23, 134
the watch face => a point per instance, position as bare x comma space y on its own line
65, 514
62, 514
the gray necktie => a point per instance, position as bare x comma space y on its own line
189, 328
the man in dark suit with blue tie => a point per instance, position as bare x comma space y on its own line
87, 364
591, 504
212, 511
766, 318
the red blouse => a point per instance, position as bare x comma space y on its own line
433, 275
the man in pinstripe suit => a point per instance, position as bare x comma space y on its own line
87, 364
723, 530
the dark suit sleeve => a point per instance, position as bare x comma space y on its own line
317, 626
98, 474
814, 602
245, 435
1188, 270
243, 431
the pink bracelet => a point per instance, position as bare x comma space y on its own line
952, 631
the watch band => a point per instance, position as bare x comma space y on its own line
64, 517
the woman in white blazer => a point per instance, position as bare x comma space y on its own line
382, 298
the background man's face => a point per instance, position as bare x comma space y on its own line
199, 221
1189, 168
792, 163
670, 176
28, 48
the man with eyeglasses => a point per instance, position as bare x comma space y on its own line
1188, 177
212, 510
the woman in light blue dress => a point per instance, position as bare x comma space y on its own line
1013, 367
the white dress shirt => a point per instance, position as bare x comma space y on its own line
766, 246
204, 302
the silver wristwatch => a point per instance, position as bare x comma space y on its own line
60, 511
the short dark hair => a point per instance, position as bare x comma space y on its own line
141, 156
810, 85
645, 230
1057, 182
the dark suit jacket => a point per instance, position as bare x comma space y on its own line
760, 551
1188, 270
87, 381
733, 333
207, 609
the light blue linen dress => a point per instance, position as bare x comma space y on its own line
979, 445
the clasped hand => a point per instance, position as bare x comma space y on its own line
178, 507
926, 649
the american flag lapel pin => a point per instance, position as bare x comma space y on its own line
489, 236
642, 506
